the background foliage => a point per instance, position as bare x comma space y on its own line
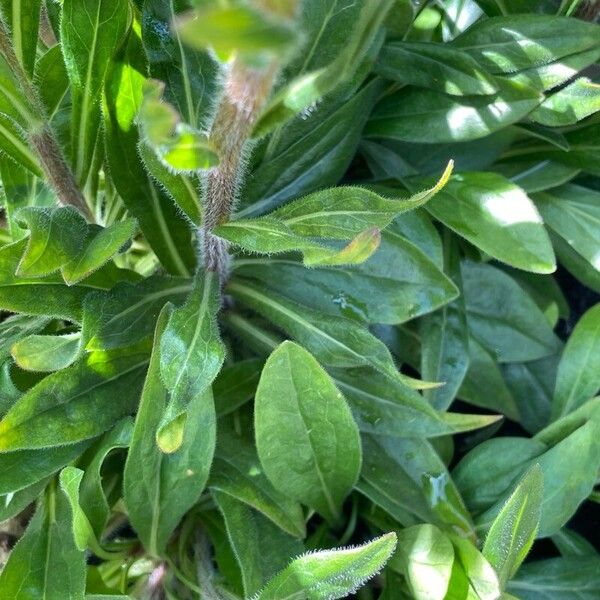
417, 202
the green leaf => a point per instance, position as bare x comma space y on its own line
92, 495
190, 76
46, 561
445, 341
503, 318
343, 212
238, 473
435, 66
49, 295
307, 440
77, 403
191, 356
399, 282
239, 30
558, 578
335, 341
61, 239
235, 385
128, 312
572, 212
267, 236
179, 146
531, 384
514, 529
260, 547
426, 555
160, 488
23, 20
307, 88
578, 377
407, 478
381, 406
17, 327
484, 385
427, 116
23, 468
498, 217
83, 534
308, 155
330, 574
481, 579
569, 105
166, 231
184, 190
46, 353
570, 543
91, 33
509, 44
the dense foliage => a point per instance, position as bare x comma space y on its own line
281, 318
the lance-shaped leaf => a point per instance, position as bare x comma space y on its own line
91, 33
260, 547
179, 146
237, 30
514, 529
23, 468
47, 353
498, 217
46, 562
160, 488
578, 377
166, 231
385, 407
341, 212
330, 574
77, 403
307, 440
191, 356
422, 115
399, 282
515, 42
270, 236
238, 473
335, 341
436, 66
60, 239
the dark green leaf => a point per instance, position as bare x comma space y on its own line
160, 488
307, 441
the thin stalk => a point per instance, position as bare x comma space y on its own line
41, 136
245, 92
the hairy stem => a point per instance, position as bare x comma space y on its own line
41, 136
245, 92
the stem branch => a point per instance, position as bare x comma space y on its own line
40, 134
245, 92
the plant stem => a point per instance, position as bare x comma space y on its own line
41, 136
245, 92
